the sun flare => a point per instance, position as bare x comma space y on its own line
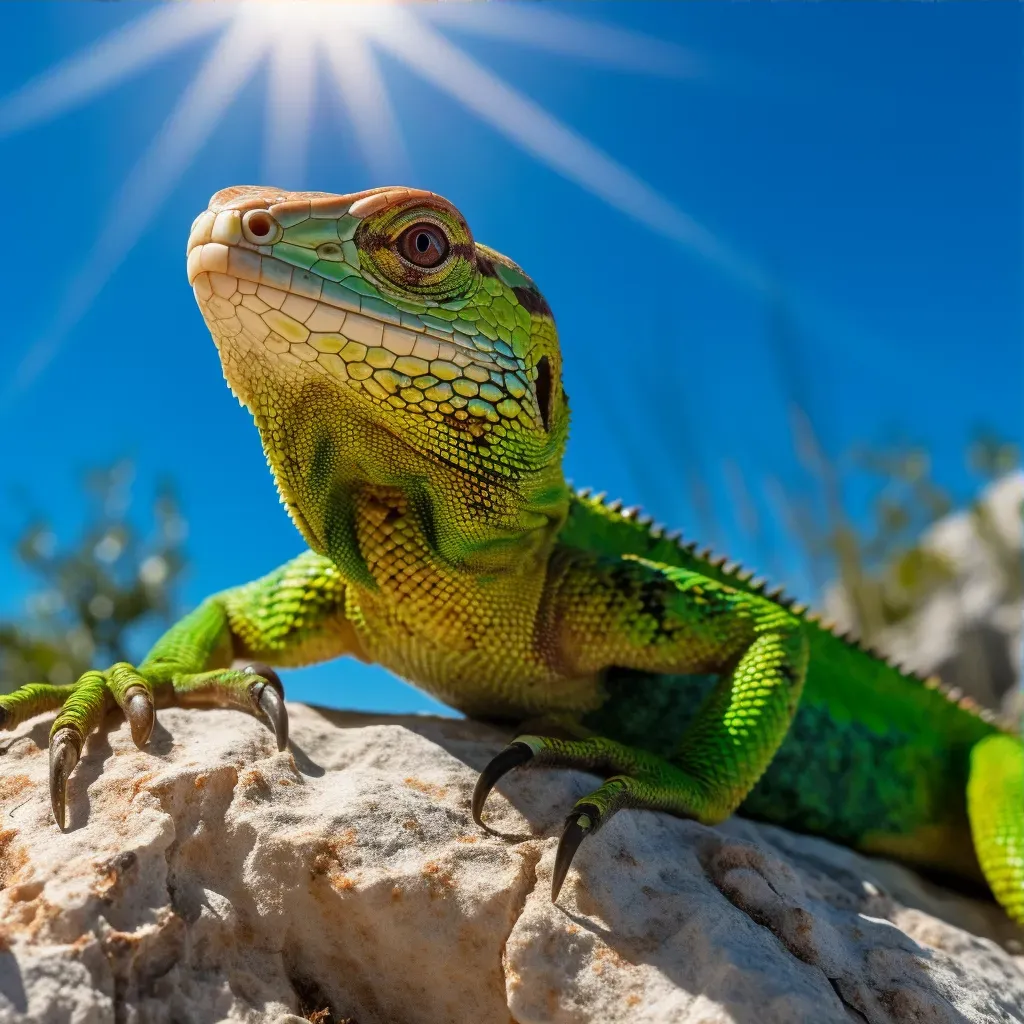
292, 41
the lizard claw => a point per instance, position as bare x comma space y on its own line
577, 827
65, 747
511, 757
267, 695
138, 709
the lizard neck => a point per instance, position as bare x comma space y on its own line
341, 475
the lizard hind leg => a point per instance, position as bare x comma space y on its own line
995, 806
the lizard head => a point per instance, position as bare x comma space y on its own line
370, 334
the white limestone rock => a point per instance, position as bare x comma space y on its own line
211, 878
970, 629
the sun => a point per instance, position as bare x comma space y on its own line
290, 41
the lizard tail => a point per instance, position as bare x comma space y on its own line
995, 805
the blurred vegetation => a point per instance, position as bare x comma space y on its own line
884, 570
102, 597
881, 564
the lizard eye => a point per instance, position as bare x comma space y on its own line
423, 245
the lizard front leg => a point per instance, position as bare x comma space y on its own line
632, 613
293, 616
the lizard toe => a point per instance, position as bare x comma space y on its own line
267, 696
581, 823
65, 749
514, 755
138, 709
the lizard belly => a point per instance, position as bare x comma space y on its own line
468, 639
482, 668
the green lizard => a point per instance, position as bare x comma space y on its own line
406, 384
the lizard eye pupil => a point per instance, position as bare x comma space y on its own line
423, 245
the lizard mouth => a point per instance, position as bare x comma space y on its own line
342, 329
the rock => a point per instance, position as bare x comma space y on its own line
970, 629
211, 878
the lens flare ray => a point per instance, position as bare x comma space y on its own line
557, 145
612, 47
106, 63
295, 35
199, 110
362, 89
290, 87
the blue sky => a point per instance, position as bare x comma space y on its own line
864, 159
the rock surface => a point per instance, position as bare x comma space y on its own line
212, 878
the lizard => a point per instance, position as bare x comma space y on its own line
406, 384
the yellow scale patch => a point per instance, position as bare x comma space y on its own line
393, 364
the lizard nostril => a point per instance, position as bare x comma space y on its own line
260, 228
260, 225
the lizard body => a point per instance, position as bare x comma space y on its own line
406, 384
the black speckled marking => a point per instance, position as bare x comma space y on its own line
532, 301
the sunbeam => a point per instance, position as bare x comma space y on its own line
294, 34
201, 106
532, 26
536, 131
364, 92
106, 63
291, 79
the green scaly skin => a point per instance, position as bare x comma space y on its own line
406, 384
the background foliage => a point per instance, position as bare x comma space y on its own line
101, 597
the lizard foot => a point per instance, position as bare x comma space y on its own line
637, 779
81, 706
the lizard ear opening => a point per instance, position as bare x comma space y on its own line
544, 393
